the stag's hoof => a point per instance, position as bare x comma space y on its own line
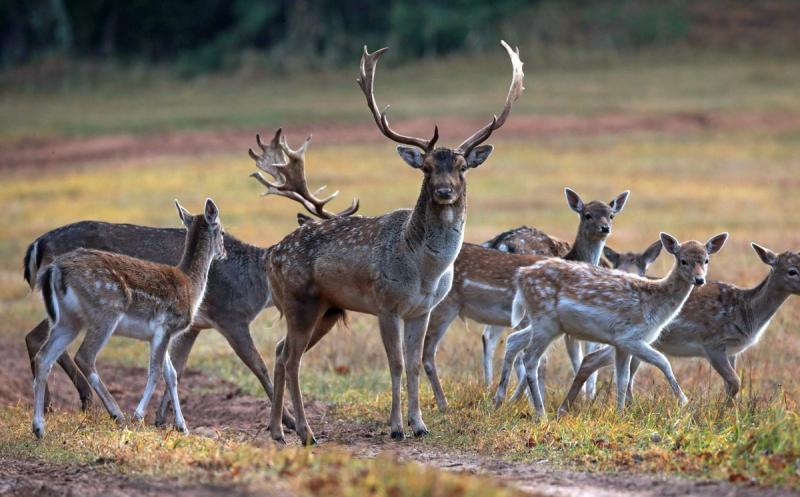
288, 421
397, 435
421, 432
86, 403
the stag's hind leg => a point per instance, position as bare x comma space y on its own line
414, 336
440, 321
390, 335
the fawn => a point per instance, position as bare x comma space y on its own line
606, 306
106, 293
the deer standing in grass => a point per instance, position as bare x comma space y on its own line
717, 323
108, 293
629, 262
397, 266
606, 306
237, 290
483, 286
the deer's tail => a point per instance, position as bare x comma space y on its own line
49, 282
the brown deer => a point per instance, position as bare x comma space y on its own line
606, 306
237, 290
717, 323
108, 293
397, 266
479, 294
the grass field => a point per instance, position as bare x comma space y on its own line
692, 185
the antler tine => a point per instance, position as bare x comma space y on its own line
272, 157
514, 91
366, 82
290, 178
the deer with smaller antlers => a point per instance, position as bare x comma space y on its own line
605, 306
397, 266
718, 322
483, 287
108, 293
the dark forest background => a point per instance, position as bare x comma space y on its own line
199, 36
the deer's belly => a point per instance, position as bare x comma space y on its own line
587, 322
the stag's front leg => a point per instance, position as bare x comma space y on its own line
414, 339
390, 335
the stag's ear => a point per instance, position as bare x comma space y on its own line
619, 203
211, 213
767, 256
478, 155
715, 244
411, 155
670, 243
612, 256
574, 200
186, 217
651, 254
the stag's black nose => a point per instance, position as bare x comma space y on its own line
699, 280
605, 229
444, 192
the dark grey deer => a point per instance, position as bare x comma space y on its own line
237, 291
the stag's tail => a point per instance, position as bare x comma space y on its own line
49, 282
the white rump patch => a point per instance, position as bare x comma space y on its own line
517, 308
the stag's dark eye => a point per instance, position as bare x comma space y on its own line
792, 272
684, 263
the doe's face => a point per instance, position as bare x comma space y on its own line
596, 220
788, 267
692, 256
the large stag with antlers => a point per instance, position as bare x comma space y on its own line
237, 289
397, 266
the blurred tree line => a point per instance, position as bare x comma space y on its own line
205, 35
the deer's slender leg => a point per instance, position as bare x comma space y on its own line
414, 337
301, 320
540, 340
59, 338
158, 351
522, 378
719, 361
732, 360
622, 364
591, 382
440, 320
591, 363
635, 363
515, 343
171, 379
491, 336
34, 341
179, 349
97, 335
390, 335
648, 354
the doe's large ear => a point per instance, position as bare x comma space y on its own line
613, 256
211, 212
411, 155
186, 217
478, 155
652, 252
716, 243
574, 200
670, 243
619, 203
767, 256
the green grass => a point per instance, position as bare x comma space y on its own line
151, 101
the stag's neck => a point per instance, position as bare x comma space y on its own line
436, 229
764, 300
584, 250
196, 260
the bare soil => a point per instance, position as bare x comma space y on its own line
212, 406
48, 152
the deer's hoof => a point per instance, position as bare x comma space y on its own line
421, 432
562, 411
288, 422
86, 404
497, 402
397, 435
119, 419
183, 429
38, 430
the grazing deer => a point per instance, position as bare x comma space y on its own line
606, 306
237, 291
481, 294
397, 266
108, 293
717, 323
629, 262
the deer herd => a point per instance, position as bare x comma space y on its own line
410, 268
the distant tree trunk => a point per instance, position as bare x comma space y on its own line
62, 31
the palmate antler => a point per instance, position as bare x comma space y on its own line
287, 168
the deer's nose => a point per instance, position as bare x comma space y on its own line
699, 280
606, 229
444, 192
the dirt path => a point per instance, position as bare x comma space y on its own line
217, 406
63, 152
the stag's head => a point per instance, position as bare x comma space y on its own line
785, 267
692, 256
596, 216
444, 168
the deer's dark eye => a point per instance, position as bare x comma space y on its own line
587, 216
706, 261
463, 169
684, 263
792, 272
611, 216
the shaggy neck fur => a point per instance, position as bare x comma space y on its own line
436, 228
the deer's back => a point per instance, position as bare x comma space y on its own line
528, 241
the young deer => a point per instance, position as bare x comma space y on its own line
107, 293
481, 294
607, 306
237, 289
717, 323
629, 262
397, 266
